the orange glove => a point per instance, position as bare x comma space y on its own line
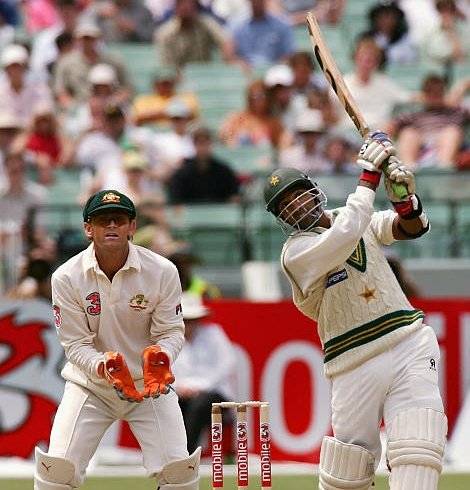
115, 371
157, 373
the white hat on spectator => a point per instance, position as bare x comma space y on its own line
193, 307
178, 108
87, 29
14, 54
279, 75
310, 121
102, 74
43, 108
9, 120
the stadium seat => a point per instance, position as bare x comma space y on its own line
215, 231
141, 61
264, 237
220, 88
62, 208
249, 160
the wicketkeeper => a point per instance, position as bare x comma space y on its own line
118, 316
380, 356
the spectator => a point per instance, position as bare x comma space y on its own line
34, 281
45, 45
279, 80
389, 29
205, 369
89, 115
101, 150
263, 39
176, 144
151, 108
340, 153
433, 134
18, 94
368, 86
326, 11
122, 20
420, 15
10, 129
231, 10
183, 256
45, 147
20, 200
254, 125
130, 177
9, 11
39, 15
71, 72
310, 89
203, 178
189, 36
306, 155
7, 32
447, 42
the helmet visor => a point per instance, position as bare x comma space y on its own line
302, 211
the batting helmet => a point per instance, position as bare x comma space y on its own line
283, 180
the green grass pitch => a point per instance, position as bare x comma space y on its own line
284, 482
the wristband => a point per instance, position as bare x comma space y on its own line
423, 230
372, 177
410, 209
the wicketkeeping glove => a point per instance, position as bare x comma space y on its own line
377, 148
157, 372
115, 371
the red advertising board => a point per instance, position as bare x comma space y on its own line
279, 360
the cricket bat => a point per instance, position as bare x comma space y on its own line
335, 79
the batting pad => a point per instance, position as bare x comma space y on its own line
345, 466
182, 474
415, 449
52, 473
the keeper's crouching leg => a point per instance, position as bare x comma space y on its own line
53, 473
345, 466
415, 449
182, 474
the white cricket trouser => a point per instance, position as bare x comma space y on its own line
403, 377
83, 417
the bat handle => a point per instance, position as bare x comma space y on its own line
400, 190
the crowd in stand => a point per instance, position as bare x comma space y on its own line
68, 100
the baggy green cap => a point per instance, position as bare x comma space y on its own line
108, 200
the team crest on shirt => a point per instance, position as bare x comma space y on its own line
138, 302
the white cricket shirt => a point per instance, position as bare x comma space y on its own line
139, 308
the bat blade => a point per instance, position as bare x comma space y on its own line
333, 75
335, 79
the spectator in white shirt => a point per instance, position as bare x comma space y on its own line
205, 368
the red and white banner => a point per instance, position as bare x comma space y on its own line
280, 361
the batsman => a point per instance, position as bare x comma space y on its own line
381, 358
118, 317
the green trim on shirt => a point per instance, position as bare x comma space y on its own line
369, 332
358, 258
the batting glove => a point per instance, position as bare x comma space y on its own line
115, 371
398, 173
157, 372
377, 148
